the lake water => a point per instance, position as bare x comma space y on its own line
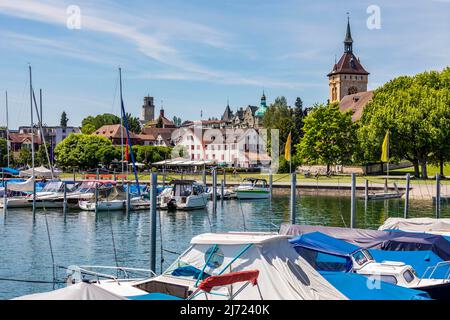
86, 239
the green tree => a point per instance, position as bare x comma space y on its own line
98, 121
41, 156
134, 125
107, 153
64, 120
416, 112
24, 157
329, 136
279, 116
80, 150
159, 122
3, 152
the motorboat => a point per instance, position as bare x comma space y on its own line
326, 253
253, 188
86, 191
109, 198
217, 266
228, 193
184, 195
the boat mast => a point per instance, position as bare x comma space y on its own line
32, 125
121, 117
7, 128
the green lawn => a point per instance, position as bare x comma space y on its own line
432, 170
284, 178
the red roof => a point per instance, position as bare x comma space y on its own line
348, 63
355, 102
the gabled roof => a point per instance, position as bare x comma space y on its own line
112, 131
355, 102
348, 64
22, 137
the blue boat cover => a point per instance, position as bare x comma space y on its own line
10, 170
374, 239
358, 287
318, 241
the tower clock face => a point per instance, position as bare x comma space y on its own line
352, 90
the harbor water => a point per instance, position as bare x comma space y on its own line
115, 238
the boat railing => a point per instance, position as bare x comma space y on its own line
89, 270
432, 270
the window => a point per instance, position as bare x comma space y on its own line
408, 275
388, 278
214, 257
359, 258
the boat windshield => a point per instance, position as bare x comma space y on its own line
183, 190
359, 257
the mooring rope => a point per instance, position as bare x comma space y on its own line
32, 281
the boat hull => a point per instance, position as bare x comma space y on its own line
252, 194
438, 291
115, 205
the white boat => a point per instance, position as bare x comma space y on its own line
184, 195
228, 193
238, 266
252, 188
103, 205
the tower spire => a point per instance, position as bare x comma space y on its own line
348, 42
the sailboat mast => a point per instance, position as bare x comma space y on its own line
32, 125
121, 117
7, 128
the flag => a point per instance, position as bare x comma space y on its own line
385, 148
127, 153
287, 148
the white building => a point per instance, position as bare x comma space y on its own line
240, 148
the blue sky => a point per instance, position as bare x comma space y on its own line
194, 55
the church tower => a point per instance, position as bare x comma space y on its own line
148, 110
348, 75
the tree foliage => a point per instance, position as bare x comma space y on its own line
64, 120
91, 123
80, 150
329, 136
416, 111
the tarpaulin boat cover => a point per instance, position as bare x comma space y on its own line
358, 287
40, 172
429, 225
324, 243
79, 291
26, 186
12, 171
375, 239
283, 274
321, 250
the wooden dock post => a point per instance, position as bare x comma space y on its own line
153, 195
293, 196
405, 213
204, 176
353, 202
438, 196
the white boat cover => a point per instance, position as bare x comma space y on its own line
79, 291
283, 274
21, 186
40, 172
429, 225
